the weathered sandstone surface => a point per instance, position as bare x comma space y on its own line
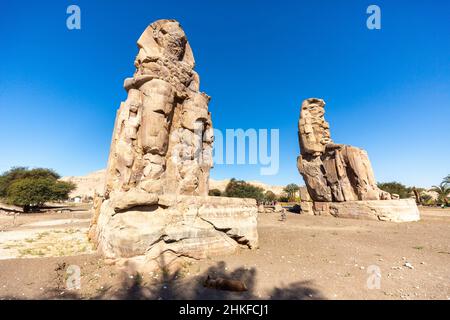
155, 209
340, 176
332, 172
401, 210
189, 227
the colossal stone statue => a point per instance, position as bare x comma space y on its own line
162, 141
332, 172
156, 208
335, 172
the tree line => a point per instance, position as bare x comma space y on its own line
242, 189
422, 195
32, 188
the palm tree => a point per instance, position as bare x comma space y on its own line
447, 179
443, 191
291, 189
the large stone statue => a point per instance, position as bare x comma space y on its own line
156, 208
332, 172
162, 141
335, 173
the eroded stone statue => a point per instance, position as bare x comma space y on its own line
332, 172
156, 207
164, 114
337, 172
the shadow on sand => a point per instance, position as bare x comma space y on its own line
174, 286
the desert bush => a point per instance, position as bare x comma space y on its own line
242, 189
396, 187
215, 192
283, 198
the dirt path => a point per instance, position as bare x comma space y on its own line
305, 257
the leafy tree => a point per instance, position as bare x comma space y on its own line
61, 190
290, 190
16, 173
396, 187
443, 191
242, 189
32, 188
8, 177
215, 192
270, 196
30, 192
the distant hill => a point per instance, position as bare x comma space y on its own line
87, 185
94, 182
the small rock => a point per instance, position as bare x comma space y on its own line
109, 262
408, 265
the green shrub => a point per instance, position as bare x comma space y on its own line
32, 188
242, 189
397, 188
215, 192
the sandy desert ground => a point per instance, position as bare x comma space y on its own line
305, 257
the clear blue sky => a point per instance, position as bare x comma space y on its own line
387, 90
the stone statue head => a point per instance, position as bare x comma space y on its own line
172, 39
165, 38
314, 131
